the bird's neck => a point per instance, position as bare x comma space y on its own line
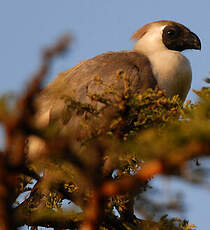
172, 71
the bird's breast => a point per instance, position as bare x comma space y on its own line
173, 72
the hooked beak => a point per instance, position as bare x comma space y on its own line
193, 41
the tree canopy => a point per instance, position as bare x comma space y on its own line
101, 179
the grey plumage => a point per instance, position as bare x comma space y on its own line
80, 82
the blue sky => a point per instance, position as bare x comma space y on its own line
97, 26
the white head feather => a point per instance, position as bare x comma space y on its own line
171, 69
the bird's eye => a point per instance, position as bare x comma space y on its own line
172, 33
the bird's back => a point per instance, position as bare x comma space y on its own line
95, 76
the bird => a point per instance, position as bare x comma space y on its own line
155, 61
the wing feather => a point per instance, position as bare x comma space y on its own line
92, 76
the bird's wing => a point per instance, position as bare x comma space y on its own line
98, 75
93, 76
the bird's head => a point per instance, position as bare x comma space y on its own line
165, 35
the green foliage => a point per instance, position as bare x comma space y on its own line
167, 224
139, 129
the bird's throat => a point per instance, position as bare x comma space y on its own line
172, 71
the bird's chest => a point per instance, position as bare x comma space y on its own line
173, 73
